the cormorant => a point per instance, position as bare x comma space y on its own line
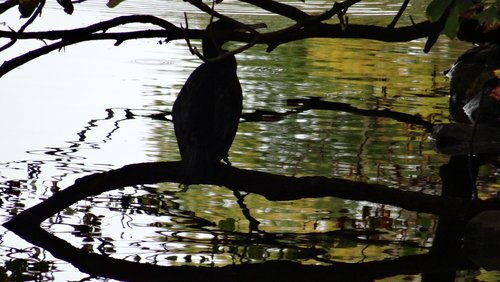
208, 108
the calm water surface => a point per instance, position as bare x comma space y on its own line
65, 116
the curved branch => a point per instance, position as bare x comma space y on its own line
101, 265
69, 37
297, 14
9, 65
103, 26
323, 30
272, 186
308, 28
400, 34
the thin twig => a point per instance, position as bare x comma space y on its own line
337, 8
282, 9
37, 12
211, 33
399, 14
192, 49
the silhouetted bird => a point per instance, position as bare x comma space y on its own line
208, 109
475, 86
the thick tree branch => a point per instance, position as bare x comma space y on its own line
380, 33
306, 27
92, 32
171, 32
169, 29
33, 54
323, 30
273, 187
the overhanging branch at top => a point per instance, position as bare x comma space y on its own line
305, 26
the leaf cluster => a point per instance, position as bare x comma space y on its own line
455, 12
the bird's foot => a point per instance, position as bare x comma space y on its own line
183, 187
226, 161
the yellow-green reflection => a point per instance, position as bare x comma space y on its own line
367, 75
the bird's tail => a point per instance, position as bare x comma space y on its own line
198, 167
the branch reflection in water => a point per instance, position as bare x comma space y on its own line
27, 223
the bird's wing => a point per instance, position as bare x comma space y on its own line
228, 109
192, 109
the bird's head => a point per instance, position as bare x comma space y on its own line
217, 33
215, 36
